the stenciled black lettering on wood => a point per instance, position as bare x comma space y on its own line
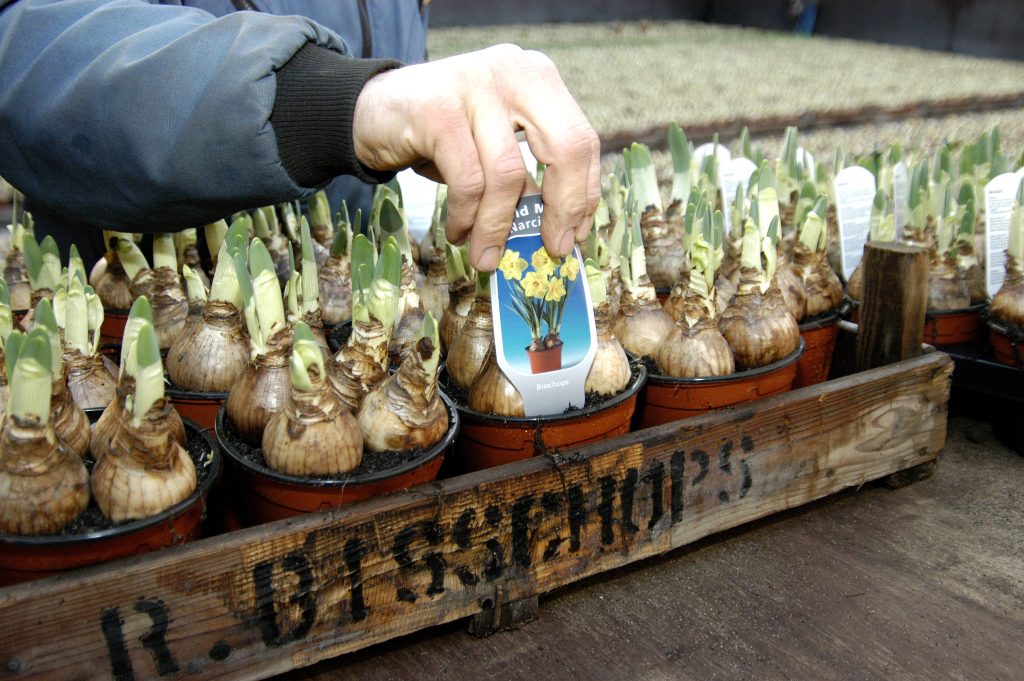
155, 640
112, 627
677, 478
628, 496
432, 532
463, 534
577, 515
266, 599
551, 502
724, 458
354, 553
748, 479
496, 562
655, 477
606, 508
701, 458
521, 530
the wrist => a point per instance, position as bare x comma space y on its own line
313, 115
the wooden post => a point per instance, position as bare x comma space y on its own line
892, 319
895, 301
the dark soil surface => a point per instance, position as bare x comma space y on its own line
373, 462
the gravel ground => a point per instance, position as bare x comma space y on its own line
635, 76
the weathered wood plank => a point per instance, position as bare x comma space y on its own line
253, 603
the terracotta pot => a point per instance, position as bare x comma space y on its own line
26, 558
201, 407
112, 329
819, 338
267, 495
486, 440
543, 361
950, 327
667, 399
1007, 347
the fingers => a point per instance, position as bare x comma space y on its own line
504, 177
561, 138
457, 118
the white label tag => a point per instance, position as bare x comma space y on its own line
999, 195
544, 335
900, 196
854, 189
734, 173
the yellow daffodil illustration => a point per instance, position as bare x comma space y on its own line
539, 296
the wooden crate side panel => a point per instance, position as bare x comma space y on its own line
271, 598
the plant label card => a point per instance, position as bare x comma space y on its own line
900, 196
854, 189
544, 335
999, 196
735, 173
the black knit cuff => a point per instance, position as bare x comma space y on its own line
312, 117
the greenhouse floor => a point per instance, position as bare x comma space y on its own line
922, 582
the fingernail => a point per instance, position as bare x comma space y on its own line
488, 259
566, 241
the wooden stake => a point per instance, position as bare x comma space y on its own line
895, 301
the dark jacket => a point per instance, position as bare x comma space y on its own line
141, 116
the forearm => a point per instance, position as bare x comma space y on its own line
144, 117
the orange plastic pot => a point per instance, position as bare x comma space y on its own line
26, 558
201, 407
112, 329
819, 338
1007, 347
486, 440
666, 399
267, 495
950, 327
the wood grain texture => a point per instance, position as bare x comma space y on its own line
892, 313
264, 600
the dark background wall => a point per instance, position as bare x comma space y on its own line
990, 28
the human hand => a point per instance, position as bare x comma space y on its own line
455, 121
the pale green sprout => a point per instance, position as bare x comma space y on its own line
306, 353
319, 211
375, 282
94, 309
164, 254
224, 287
214, 234
310, 280
6, 314
194, 286
394, 223
597, 283
882, 225
767, 197
644, 179
149, 374
266, 291
259, 224
131, 258
140, 313
75, 316
681, 161
29, 374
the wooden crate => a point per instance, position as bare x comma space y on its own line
261, 601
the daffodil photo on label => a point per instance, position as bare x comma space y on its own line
539, 290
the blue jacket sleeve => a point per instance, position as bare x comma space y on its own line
141, 117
